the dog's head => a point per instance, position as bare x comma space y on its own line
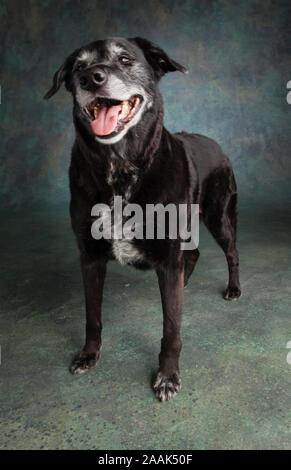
113, 83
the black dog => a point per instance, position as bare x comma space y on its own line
122, 148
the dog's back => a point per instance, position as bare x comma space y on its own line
208, 161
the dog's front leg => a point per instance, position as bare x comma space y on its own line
171, 282
93, 279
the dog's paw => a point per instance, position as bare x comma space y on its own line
232, 293
83, 361
167, 387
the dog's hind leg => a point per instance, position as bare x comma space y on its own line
220, 218
171, 283
190, 260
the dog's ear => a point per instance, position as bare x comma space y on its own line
157, 58
63, 74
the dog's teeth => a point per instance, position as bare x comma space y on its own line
95, 111
124, 109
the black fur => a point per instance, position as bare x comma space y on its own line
148, 165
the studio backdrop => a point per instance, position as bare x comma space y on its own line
239, 60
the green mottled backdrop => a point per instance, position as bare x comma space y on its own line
239, 57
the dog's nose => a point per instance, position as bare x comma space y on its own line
99, 77
96, 76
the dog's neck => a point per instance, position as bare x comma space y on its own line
125, 161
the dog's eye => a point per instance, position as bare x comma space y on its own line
81, 66
125, 60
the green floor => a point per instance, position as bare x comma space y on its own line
236, 382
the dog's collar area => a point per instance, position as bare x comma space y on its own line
109, 117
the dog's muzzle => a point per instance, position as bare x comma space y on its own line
110, 116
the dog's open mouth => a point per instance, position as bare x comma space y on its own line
111, 116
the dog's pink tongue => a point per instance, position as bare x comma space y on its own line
106, 120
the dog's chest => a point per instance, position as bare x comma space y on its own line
122, 178
123, 181
126, 252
